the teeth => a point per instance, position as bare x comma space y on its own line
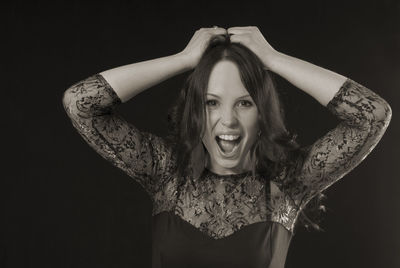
229, 137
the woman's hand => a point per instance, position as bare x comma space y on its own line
198, 44
252, 38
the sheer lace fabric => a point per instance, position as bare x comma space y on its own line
219, 205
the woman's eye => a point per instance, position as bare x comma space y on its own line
245, 103
242, 103
211, 103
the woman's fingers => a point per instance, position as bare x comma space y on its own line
199, 41
242, 39
243, 35
206, 34
252, 38
241, 30
219, 29
214, 30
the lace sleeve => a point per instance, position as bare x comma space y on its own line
364, 118
90, 104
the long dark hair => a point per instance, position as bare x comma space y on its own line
275, 148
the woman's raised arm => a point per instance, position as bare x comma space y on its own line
129, 80
320, 83
91, 103
363, 114
364, 117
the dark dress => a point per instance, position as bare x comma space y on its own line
231, 220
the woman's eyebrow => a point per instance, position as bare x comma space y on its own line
244, 96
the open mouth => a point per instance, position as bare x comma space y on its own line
228, 143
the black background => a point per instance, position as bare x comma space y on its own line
64, 206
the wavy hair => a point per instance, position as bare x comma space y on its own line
275, 148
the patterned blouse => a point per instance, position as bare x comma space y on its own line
225, 220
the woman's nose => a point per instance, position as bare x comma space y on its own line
228, 118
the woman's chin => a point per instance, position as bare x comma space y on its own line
228, 163
234, 164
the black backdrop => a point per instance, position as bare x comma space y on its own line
64, 206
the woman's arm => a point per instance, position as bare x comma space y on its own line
130, 80
364, 118
320, 83
91, 103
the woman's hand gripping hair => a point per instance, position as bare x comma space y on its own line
252, 38
199, 42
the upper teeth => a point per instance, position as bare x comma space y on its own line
228, 137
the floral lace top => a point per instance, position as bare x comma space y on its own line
220, 206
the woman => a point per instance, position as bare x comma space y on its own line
229, 184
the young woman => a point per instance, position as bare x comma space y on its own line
230, 182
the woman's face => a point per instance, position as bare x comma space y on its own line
232, 121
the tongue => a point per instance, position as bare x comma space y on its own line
227, 146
